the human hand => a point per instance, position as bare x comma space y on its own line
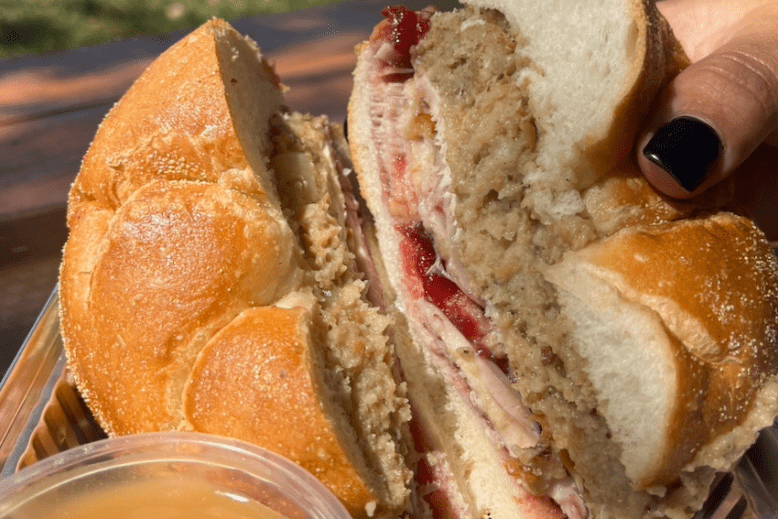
715, 113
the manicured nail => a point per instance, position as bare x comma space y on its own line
685, 148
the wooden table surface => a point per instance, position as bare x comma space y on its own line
51, 105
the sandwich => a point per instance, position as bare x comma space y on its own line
520, 328
214, 278
573, 344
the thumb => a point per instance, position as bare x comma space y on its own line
717, 111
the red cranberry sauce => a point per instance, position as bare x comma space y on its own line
419, 257
437, 498
403, 29
427, 476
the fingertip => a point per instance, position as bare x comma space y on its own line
660, 179
679, 157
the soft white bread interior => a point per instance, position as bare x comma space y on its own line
509, 151
209, 281
596, 65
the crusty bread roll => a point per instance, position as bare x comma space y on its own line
681, 336
574, 333
210, 280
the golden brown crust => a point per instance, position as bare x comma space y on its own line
257, 380
624, 198
165, 158
161, 128
214, 250
714, 283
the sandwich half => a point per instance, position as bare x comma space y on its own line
578, 345
212, 280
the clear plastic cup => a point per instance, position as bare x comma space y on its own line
167, 475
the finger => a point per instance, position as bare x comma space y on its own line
702, 26
716, 112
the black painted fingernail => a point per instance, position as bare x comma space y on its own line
685, 148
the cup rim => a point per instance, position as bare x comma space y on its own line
155, 447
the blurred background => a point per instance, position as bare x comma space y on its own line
33, 26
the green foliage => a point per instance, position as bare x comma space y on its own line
31, 26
